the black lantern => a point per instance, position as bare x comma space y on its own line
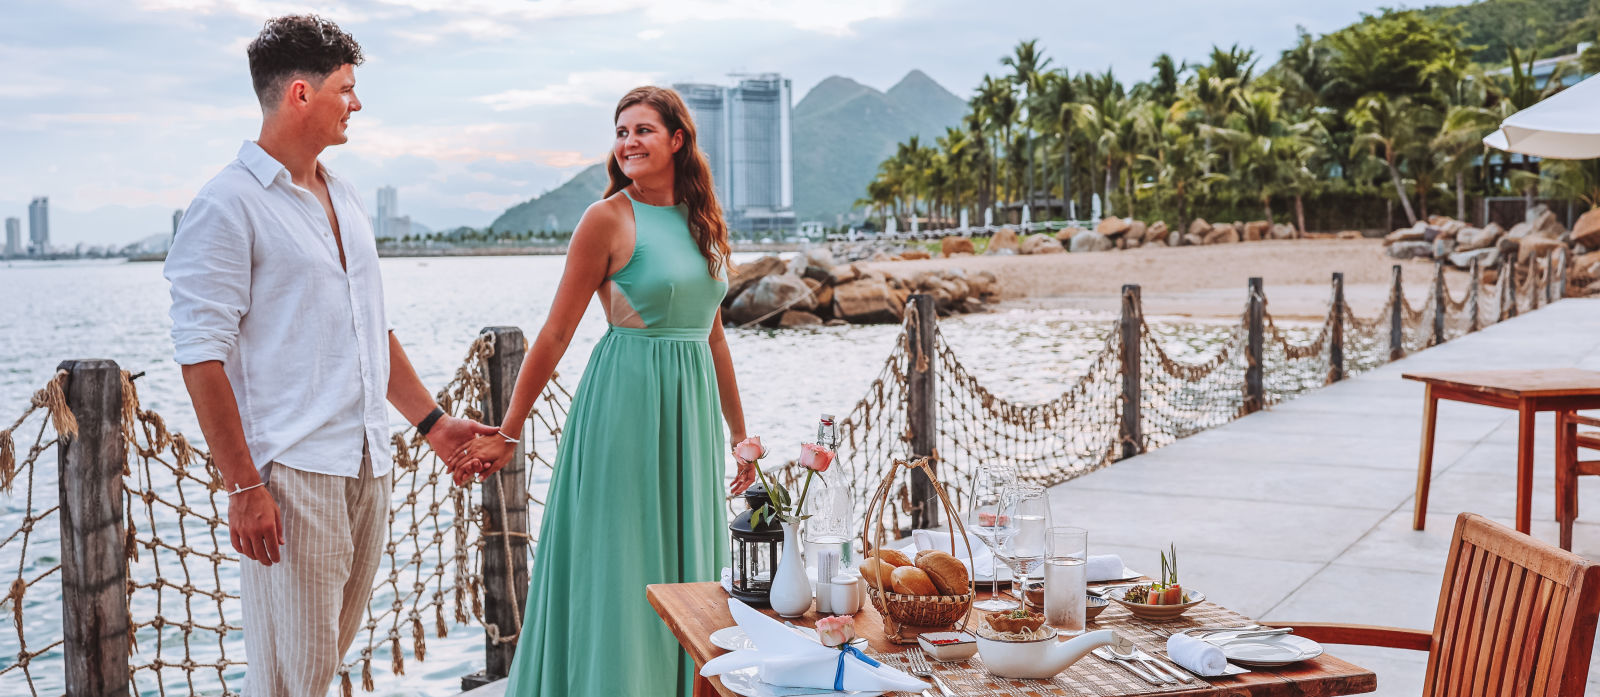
755, 549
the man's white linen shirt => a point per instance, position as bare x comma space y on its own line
257, 285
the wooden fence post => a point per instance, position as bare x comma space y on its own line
1254, 386
1508, 293
94, 561
1397, 317
1132, 431
505, 519
1441, 302
1336, 331
1561, 273
922, 407
1539, 277
1476, 274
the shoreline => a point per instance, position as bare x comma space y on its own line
506, 251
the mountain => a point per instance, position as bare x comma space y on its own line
843, 129
564, 204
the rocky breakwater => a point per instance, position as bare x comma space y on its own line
1539, 235
812, 289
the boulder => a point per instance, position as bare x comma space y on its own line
1188, 240
1111, 227
1519, 231
1471, 238
1158, 241
1586, 230
1004, 242
985, 285
824, 300
1450, 227
1411, 249
770, 295
866, 301
798, 318
1507, 246
1586, 265
1430, 233
1533, 213
1536, 246
1136, 232
844, 274
951, 246
1222, 234
915, 254
1486, 258
1120, 241
1157, 230
746, 275
1041, 244
1546, 225
1067, 234
1443, 247
1406, 234
1199, 227
819, 257
1281, 231
1256, 230
1091, 241
1350, 235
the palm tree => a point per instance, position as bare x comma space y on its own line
1027, 62
1388, 124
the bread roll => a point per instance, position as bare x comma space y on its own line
870, 570
920, 555
946, 572
911, 580
893, 556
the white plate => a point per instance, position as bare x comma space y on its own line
743, 682
734, 639
1277, 650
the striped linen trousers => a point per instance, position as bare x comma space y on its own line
302, 614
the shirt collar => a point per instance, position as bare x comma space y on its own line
266, 169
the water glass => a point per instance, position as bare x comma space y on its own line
1066, 568
986, 520
828, 527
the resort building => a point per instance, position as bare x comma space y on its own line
745, 133
13, 238
39, 226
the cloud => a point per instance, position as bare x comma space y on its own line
565, 158
651, 34
585, 87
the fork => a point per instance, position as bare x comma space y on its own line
921, 669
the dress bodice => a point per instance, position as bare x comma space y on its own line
666, 280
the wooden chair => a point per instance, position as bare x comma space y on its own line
1568, 467
1516, 617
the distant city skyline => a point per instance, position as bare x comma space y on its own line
127, 108
13, 238
745, 131
39, 226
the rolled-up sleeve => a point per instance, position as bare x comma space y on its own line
208, 268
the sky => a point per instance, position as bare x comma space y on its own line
119, 110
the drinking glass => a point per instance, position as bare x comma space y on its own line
985, 520
1027, 507
1066, 568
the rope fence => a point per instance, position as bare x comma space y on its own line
454, 560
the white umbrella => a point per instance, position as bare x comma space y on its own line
1565, 127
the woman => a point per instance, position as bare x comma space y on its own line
634, 499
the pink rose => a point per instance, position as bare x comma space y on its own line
836, 631
749, 449
815, 457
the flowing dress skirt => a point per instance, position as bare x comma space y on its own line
635, 499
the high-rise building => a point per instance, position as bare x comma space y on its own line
177, 217
744, 132
39, 226
13, 237
388, 209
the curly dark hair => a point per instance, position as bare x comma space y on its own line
294, 46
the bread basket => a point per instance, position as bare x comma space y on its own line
906, 616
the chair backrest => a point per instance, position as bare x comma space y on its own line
1516, 616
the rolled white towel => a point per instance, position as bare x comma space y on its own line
1196, 655
1104, 567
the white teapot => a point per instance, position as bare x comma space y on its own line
1039, 659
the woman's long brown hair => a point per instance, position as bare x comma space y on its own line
691, 182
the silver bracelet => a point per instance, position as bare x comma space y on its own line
238, 490
509, 439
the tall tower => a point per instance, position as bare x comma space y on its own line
177, 218
39, 226
708, 107
13, 237
388, 209
744, 131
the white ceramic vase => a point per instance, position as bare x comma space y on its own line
791, 590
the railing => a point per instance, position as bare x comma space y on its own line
143, 569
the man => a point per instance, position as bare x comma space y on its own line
278, 322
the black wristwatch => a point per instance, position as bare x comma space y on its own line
427, 422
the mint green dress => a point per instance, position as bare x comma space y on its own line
636, 494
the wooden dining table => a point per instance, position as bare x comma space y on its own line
1526, 392
694, 610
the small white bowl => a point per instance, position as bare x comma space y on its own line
964, 647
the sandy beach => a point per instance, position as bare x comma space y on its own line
1200, 282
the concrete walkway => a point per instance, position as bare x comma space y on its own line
1303, 512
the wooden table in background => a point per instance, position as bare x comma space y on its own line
1527, 392
694, 610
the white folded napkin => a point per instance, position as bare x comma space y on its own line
787, 659
1196, 655
727, 579
980, 564
1104, 567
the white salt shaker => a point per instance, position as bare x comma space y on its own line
845, 599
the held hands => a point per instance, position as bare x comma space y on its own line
480, 458
255, 525
453, 433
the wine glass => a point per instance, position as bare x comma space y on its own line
1028, 508
986, 520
